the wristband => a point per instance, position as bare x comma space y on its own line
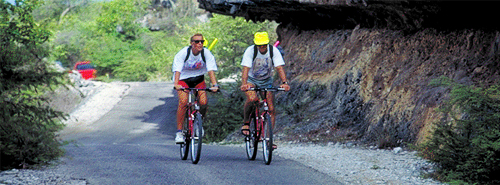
285, 83
215, 85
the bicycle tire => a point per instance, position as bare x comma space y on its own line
196, 140
267, 140
184, 148
251, 141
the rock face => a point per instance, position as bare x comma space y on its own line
346, 14
360, 70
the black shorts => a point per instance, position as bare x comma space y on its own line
194, 81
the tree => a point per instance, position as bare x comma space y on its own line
466, 143
27, 124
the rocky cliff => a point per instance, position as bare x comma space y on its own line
360, 69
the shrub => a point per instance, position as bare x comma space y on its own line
225, 112
27, 125
466, 143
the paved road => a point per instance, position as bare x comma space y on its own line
133, 144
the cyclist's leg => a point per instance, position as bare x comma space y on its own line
270, 104
181, 108
251, 98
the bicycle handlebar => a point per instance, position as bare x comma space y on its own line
266, 89
197, 89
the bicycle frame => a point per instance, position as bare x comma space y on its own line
192, 108
194, 131
261, 118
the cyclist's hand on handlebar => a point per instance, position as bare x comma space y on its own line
178, 87
214, 89
285, 86
245, 87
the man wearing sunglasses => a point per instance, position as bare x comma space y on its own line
258, 72
189, 68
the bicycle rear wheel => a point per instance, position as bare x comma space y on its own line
267, 139
196, 141
184, 149
251, 141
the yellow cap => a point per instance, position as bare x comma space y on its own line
261, 38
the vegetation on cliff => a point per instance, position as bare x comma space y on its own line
466, 141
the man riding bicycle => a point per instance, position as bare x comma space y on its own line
258, 63
189, 67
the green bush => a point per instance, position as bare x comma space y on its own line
225, 112
27, 124
466, 143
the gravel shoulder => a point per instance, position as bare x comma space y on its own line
347, 163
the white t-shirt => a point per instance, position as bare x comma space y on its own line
261, 68
194, 65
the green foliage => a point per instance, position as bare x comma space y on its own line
466, 143
27, 125
120, 15
161, 55
225, 112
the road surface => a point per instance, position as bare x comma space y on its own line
134, 144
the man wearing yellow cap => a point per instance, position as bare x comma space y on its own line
258, 72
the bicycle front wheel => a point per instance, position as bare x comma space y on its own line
184, 149
251, 141
267, 139
196, 140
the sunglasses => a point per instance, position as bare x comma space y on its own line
262, 46
198, 41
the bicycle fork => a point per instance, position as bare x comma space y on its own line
259, 119
191, 113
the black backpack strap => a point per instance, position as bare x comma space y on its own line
270, 52
254, 52
271, 49
202, 54
188, 53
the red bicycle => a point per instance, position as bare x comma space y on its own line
261, 128
192, 127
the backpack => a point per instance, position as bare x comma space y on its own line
255, 50
202, 54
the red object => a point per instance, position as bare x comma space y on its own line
86, 69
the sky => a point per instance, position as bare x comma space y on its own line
11, 1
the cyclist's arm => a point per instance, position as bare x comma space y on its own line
244, 78
244, 75
177, 76
213, 80
282, 75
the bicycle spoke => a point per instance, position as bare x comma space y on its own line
196, 142
267, 141
184, 148
251, 141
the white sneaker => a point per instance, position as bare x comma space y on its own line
179, 138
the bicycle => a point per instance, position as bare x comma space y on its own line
261, 128
192, 127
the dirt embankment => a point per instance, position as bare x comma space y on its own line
372, 85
